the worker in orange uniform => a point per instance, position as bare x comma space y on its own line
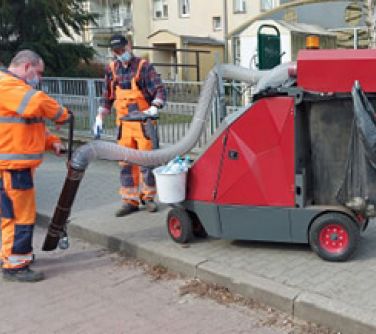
132, 85
23, 140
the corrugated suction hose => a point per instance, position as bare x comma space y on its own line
110, 151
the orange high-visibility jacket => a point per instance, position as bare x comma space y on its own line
23, 135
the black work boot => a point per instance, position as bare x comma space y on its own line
126, 209
151, 206
24, 274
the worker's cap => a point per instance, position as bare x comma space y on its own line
118, 41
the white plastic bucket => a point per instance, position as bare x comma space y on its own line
170, 187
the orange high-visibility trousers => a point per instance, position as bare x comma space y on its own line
137, 183
17, 209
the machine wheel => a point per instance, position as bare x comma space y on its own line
334, 236
179, 225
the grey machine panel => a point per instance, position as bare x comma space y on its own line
208, 215
255, 223
300, 220
277, 224
267, 223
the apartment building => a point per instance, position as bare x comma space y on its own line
173, 27
187, 34
128, 17
197, 26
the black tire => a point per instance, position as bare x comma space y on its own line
334, 236
197, 228
179, 225
365, 225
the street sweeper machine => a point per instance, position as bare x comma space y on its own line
296, 165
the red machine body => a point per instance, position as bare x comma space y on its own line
272, 171
334, 71
252, 162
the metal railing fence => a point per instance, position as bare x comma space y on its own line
82, 97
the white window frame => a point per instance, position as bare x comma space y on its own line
126, 15
217, 23
266, 5
184, 8
239, 6
86, 6
128, 9
160, 6
237, 53
115, 14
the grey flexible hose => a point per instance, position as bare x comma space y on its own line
110, 151
276, 77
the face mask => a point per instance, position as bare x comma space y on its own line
125, 57
33, 82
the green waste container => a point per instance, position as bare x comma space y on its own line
268, 48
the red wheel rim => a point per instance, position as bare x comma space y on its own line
174, 226
334, 238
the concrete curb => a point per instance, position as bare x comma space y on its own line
334, 314
296, 302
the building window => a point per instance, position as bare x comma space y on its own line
237, 50
160, 9
184, 8
128, 9
86, 6
239, 6
126, 15
115, 14
266, 5
217, 23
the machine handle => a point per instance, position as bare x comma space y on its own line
138, 117
70, 135
69, 150
233, 155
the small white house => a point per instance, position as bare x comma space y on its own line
292, 35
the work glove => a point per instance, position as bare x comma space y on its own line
98, 124
98, 127
152, 111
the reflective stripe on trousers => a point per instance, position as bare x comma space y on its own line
137, 183
17, 204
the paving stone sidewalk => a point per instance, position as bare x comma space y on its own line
89, 290
289, 277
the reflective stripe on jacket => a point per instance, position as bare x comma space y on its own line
23, 135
